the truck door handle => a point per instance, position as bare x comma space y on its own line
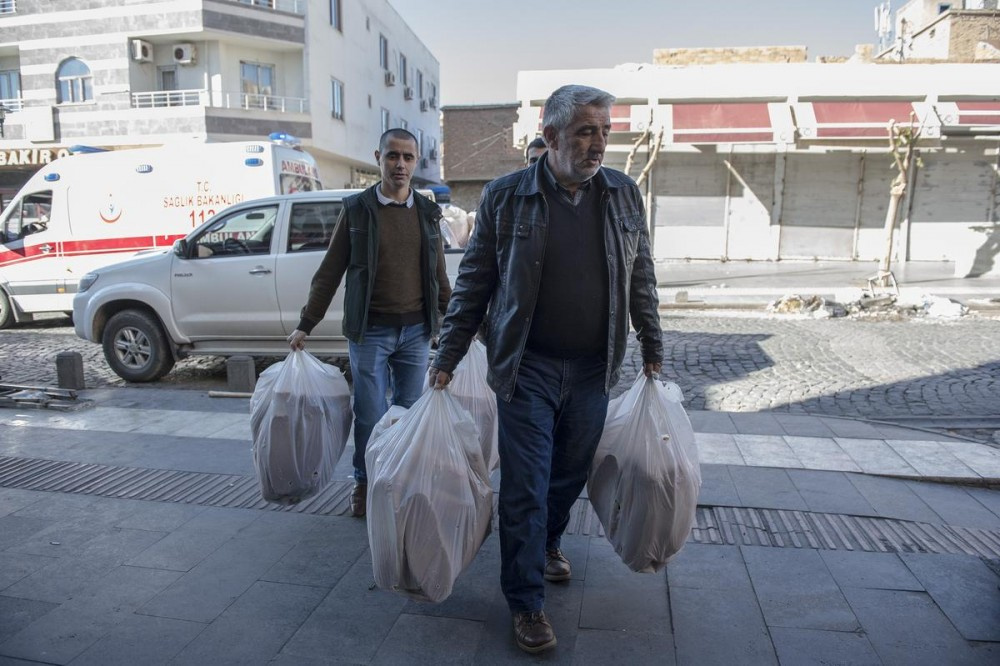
260, 270
45, 249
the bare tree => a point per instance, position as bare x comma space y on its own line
902, 145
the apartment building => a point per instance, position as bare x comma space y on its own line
126, 73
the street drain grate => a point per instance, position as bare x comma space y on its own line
739, 526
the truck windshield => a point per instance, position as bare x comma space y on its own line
291, 183
28, 216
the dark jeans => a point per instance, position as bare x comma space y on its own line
548, 434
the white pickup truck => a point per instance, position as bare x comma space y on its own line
235, 285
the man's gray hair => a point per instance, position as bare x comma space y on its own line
562, 104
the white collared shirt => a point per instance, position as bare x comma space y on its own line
387, 201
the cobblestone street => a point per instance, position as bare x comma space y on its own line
736, 362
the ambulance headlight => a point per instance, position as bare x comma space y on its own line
87, 281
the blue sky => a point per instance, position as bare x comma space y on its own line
481, 45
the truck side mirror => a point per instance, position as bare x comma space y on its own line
181, 248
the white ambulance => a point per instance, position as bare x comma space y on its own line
91, 209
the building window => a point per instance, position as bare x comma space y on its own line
257, 84
76, 83
403, 124
420, 143
337, 99
385, 120
432, 94
402, 70
10, 85
8, 6
943, 7
420, 84
383, 52
335, 15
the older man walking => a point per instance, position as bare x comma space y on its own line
558, 264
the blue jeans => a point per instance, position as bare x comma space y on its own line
548, 433
390, 361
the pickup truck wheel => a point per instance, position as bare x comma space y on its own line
136, 348
6, 310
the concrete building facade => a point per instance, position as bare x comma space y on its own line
123, 73
791, 161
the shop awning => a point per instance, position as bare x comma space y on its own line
722, 122
624, 118
969, 117
853, 119
621, 118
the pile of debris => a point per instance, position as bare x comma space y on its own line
884, 307
39, 397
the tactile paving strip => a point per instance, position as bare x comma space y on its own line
778, 528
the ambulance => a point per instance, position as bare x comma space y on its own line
94, 208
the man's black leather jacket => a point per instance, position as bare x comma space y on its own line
499, 275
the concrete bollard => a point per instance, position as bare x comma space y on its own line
241, 375
69, 370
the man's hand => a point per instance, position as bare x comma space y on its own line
297, 340
438, 378
650, 369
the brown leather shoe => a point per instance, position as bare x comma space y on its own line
533, 632
557, 567
359, 500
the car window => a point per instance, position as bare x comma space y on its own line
246, 232
30, 216
312, 225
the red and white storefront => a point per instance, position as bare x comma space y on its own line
767, 162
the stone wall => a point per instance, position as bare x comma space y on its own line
730, 55
968, 30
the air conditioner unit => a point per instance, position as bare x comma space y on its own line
184, 54
407, 92
390, 78
423, 105
424, 163
433, 153
142, 51
433, 103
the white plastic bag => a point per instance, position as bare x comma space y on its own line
387, 421
300, 417
458, 224
645, 477
469, 387
430, 504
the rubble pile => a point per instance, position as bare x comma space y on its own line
884, 307
814, 306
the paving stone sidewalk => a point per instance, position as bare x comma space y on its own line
801, 554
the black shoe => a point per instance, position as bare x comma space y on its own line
359, 500
557, 567
533, 632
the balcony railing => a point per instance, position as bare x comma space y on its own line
290, 6
224, 100
13, 104
161, 98
8, 6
